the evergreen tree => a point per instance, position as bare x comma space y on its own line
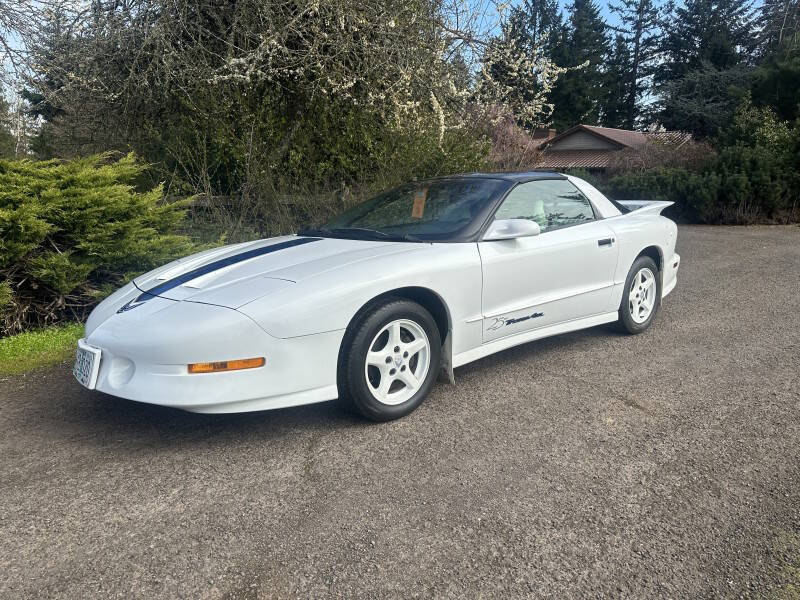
536, 23
639, 20
579, 94
777, 79
718, 33
53, 52
776, 84
780, 26
708, 49
704, 100
615, 108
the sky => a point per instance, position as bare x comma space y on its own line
609, 16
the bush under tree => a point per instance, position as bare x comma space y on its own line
755, 177
72, 231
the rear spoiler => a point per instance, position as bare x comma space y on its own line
645, 206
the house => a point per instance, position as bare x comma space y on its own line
593, 148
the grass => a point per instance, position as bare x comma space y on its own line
790, 590
33, 349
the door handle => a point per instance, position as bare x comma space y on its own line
606, 242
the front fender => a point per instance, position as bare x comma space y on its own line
330, 300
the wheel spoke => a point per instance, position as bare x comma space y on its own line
377, 359
413, 347
394, 334
385, 384
408, 378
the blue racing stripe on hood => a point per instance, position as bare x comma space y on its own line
213, 266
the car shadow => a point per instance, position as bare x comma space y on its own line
118, 414
60, 408
543, 346
51, 408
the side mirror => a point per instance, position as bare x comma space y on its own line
510, 229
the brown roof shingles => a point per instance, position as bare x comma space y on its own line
625, 137
570, 159
552, 158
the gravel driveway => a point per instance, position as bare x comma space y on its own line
590, 464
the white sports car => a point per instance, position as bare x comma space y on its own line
371, 308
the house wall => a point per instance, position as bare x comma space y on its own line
581, 140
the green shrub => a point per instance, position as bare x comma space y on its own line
743, 186
693, 194
755, 177
70, 231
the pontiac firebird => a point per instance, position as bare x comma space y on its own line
372, 307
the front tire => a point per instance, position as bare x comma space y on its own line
641, 297
392, 360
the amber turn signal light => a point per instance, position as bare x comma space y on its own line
227, 365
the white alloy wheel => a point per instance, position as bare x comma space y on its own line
642, 295
397, 362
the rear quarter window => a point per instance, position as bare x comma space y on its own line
552, 203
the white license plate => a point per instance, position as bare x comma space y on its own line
87, 365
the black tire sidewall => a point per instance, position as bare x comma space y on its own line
365, 331
625, 318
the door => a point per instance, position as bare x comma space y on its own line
564, 273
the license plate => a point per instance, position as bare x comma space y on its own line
87, 365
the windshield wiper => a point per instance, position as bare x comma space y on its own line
407, 237
342, 232
402, 237
360, 232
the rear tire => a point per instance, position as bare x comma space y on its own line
641, 297
390, 361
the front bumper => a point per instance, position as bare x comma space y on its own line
145, 353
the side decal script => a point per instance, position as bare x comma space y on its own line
498, 322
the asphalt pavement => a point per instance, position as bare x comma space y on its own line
587, 465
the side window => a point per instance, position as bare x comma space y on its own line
552, 203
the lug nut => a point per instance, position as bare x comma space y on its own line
403, 368
388, 359
397, 348
405, 354
392, 372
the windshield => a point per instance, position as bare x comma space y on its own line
425, 210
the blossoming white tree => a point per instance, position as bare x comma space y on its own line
229, 92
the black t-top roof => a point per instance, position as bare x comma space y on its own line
518, 177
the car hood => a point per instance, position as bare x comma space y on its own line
232, 276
